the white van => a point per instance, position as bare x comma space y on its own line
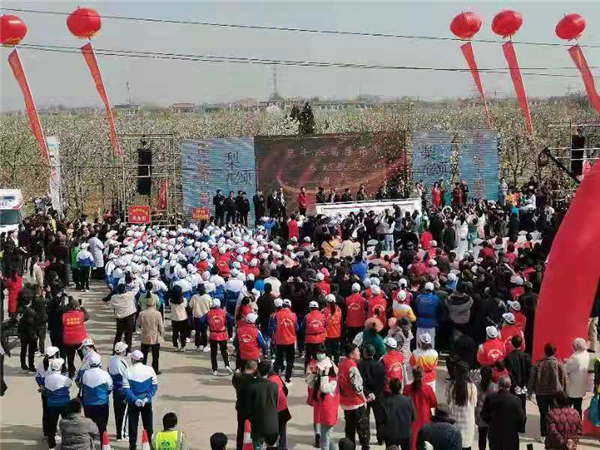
11, 209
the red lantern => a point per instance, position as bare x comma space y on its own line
84, 22
507, 23
466, 25
12, 30
570, 27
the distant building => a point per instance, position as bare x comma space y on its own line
183, 108
128, 109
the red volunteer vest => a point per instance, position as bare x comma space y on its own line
507, 333
315, 328
520, 320
325, 287
286, 327
333, 328
74, 331
380, 303
355, 311
326, 407
348, 396
202, 266
491, 351
217, 324
393, 362
281, 397
223, 266
247, 336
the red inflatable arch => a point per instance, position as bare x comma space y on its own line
572, 274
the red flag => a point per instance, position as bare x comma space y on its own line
34, 119
467, 51
90, 59
588, 80
162, 196
515, 74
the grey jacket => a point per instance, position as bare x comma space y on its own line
78, 432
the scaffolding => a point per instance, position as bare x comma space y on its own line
561, 143
165, 168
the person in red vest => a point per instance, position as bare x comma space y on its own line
508, 331
393, 362
520, 319
249, 341
314, 331
322, 284
293, 228
202, 265
378, 303
223, 266
355, 313
74, 332
491, 350
333, 328
322, 379
352, 397
302, 201
217, 321
286, 327
283, 413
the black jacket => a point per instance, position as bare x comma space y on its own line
441, 434
373, 375
260, 406
239, 382
399, 416
259, 205
518, 365
504, 413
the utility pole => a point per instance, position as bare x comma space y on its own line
129, 97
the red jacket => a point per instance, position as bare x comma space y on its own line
324, 286
355, 311
14, 288
520, 320
74, 330
223, 266
202, 266
315, 327
333, 327
217, 324
293, 230
348, 396
247, 336
490, 352
380, 303
507, 333
302, 200
286, 327
282, 404
393, 361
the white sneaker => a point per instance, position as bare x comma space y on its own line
182, 349
215, 373
24, 370
177, 349
230, 370
206, 349
200, 348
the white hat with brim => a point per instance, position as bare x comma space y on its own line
491, 332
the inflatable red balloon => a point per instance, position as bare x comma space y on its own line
507, 23
570, 27
12, 29
84, 22
466, 25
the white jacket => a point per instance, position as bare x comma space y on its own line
577, 374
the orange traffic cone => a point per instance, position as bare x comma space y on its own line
105, 441
145, 443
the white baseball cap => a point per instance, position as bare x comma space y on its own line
355, 287
492, 332
330, 298
51, 351
514, 305
390, 342
509, 318
425, 338
287, 302
278, 303
429, 286
120, 347
313, 304
137, 355
216, 303
251, 318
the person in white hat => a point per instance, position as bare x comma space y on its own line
85, 261
117, 369
140, 386
217, 321
96, 386
57, 393
509, 330
492, 350
428, 309
520, 319
426, 358
249, 341
200, 305
285, 330
333, 328
87, 349
355, 313
41, 372
314, 331
393, 362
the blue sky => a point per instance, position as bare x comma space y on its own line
64, 78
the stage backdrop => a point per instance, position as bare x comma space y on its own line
432, 151
334, 160
211, 164
479, 163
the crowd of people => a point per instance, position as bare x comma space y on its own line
366, 304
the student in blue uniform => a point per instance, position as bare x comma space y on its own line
40, 377
117, 368
96, 386
56, 389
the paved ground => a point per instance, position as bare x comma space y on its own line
204, 403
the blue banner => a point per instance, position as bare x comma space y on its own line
479, 163
432, 151
211, 164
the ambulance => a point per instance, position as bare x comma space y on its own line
11, 209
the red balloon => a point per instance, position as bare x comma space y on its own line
506, 23
570, 27
84, 22
12, 29
466, 25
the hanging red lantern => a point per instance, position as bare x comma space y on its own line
12, 29
570, 27
84, 22
506, 23
466, 25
